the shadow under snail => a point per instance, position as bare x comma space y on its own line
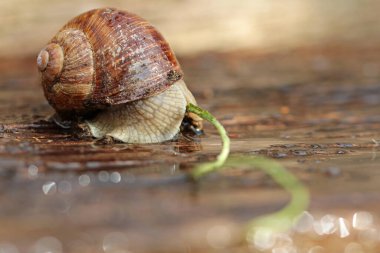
114, 72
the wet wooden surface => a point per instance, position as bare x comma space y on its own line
316, 111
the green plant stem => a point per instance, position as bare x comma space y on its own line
279, 221
283, 219
206, 168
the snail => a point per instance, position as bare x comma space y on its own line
114, 72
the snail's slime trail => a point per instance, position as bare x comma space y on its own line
279, 221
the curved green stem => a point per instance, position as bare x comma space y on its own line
278, 221
206, 168
283, 219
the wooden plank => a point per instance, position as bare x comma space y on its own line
314, 110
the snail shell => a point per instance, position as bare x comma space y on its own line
116, 66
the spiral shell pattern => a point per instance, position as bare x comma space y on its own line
152, 120
109, 57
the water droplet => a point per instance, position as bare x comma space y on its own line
362, 220
115, 242
328, 224
84, 180
218, 237
318, 228
263, 239
103, 176
32, 171
8, 248
304, 223
115, 177
64, 187
343, 227
48, 244
49, 188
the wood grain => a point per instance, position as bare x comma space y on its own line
315, 110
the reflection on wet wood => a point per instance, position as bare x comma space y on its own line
315, 111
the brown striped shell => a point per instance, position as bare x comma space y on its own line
112, 71
105, 57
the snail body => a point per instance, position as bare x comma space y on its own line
116, 72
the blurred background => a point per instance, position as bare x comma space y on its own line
193, 26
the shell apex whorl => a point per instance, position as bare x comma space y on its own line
68, 90
132, 59
50, 62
